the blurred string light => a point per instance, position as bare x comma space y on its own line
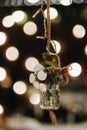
33, 1
53, 13
85, 50
1, 109
66, 2
75, 70
3, 73
19, 87
34, 98
12, 53
7, 82
30, 28
56, 45
19, 16
30, 63
79, 31
78, 1
3, 38
85, 1
8, 21
84, 13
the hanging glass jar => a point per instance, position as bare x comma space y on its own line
48, 80
50, 99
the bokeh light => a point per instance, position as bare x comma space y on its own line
66, 2
33, 1
85, 1
79, 31
53, 13
75, 70
8, 21
1, 109
30, 63
19, 87
7, 82
12, 53
85, 50
78, 1
84, 13
34, 98
18, 16
3, 73
30, 28
3, 38
56, 45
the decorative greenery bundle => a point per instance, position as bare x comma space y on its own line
47, 78
47, 73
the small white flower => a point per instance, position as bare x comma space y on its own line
57, 86
41, 75
36, 84
31, 78
42, 87
38, 67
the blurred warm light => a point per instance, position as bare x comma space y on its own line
79, 31
85, 1
18, 16
8, 21
53, 13
3, 73
78, 1
33, 1
12, 53
66, 2
7, 82
3, 38
56, 45
34, 98
75, 101
30, 28
85, 50
19, 87
1, 109
84, 13
75, 69
30, 63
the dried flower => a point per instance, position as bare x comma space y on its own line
38, 67
32, 78
36, 84
41, 75
65, 75
48, 75
43, 87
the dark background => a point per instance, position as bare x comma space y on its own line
72, 51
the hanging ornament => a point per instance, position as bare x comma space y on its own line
49, 75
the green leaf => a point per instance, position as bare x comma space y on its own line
46, 56
53, 86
